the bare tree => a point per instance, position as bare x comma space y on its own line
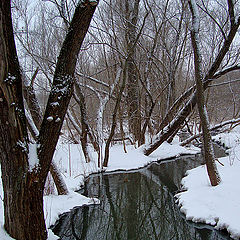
210, 75
133, 92
34, 123
207, 140
25, 167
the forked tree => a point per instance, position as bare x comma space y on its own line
25, 167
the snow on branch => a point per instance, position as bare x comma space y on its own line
93, 79
32, 127
73, 122
225, 71
95, 90
196, 19
224, 83
220, 125
33, 159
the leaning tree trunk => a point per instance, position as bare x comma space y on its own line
24, 180
36, 115
210, 76
207, 140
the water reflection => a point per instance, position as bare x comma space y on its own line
135, 206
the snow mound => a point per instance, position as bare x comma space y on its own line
219, 205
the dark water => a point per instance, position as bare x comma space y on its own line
135, 206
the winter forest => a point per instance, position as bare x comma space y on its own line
119, 119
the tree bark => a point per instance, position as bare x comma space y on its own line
36, 114
23, 186
114, 117
80, 99
63, 81
22, 190
133, 92
207, 140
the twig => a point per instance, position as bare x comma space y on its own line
219, 162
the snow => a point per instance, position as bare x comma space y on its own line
58, 119
196, 20
54, 104
22, 145
219, 205
3, 234
55, 205
30, 121
70, 160
119, 160
50, 119
62, 87
10, 79
32, 156
135, 158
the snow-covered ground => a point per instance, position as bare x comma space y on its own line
220, 205
69, 159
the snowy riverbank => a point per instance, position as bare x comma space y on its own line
74, 169
201, 203
220, 205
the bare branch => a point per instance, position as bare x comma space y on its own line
93, 79
190, 139
225, 71
224, 83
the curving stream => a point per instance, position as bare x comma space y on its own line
135, 206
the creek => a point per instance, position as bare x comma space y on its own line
137, 205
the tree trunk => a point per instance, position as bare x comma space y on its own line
23, 181
207, 140
23, 209
133, 92
58, 179
23, 192
36, 114
63, 81
85, 127
114, 117
56, 175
